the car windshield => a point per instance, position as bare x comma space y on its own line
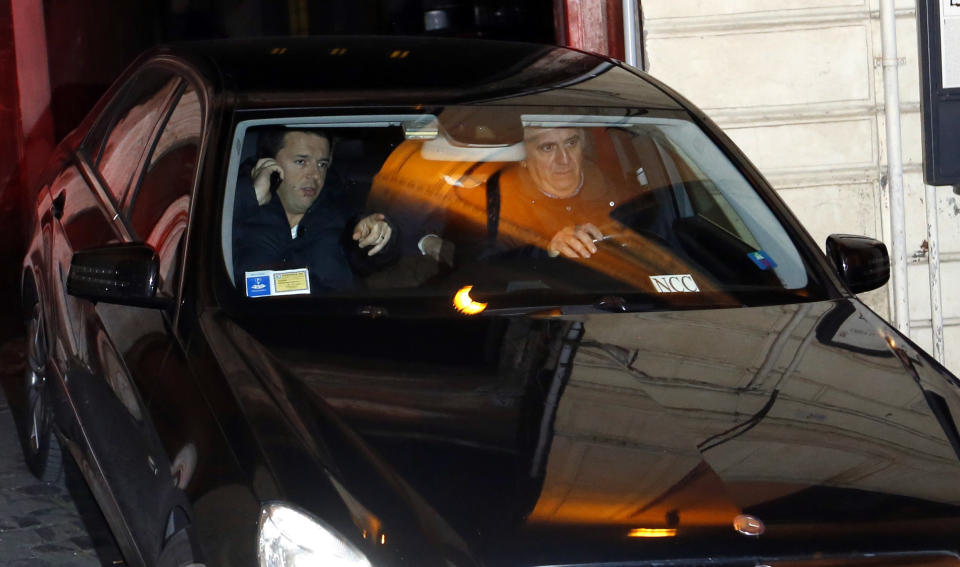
497, 208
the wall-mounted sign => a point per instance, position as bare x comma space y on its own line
950, 43
938, 27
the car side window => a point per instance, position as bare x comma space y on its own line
118, 139
160, 204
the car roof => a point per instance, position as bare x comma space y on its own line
305, 71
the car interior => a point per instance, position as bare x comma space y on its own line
672, 216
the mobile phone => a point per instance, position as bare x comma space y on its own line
275, 181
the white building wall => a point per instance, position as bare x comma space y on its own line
799, 86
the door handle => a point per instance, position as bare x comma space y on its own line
58, 202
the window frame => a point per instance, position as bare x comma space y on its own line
109, 117
330, 121
132, 195
187, 76
129, 199
331, 118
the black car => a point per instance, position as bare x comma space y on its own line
580, 328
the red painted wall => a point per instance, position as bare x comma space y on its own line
33, 88
9, 101
56, 59
595, 25
25, 118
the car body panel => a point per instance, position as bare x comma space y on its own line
523, 437
650, 429
273, 72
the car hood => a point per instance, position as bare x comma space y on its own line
771, 433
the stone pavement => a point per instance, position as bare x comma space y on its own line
43, 524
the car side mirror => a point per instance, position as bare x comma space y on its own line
862, 263
124, 274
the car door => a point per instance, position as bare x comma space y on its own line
204, 499
155, 211
142, 343
116, 351
86, 198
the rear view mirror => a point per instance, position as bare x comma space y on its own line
862, 263
125, 274
481, 127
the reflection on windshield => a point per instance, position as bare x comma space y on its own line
709, 416
562, 205
660, 421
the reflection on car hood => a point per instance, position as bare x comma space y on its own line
815, 419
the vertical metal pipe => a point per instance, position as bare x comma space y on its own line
630, 32
891, 95
933, 270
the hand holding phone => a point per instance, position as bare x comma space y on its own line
267, 176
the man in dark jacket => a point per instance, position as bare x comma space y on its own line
284, 219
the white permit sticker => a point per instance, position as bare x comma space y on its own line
676, 283
277, 282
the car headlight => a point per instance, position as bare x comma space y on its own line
289, 537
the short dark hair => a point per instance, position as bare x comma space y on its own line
270, 140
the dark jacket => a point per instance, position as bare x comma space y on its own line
324, 244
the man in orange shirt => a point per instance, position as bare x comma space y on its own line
556, 193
